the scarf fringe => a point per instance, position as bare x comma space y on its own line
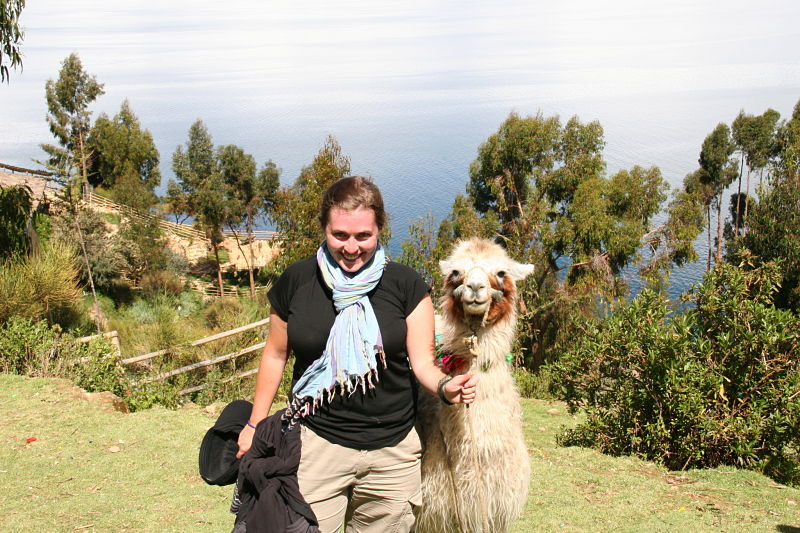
300, 408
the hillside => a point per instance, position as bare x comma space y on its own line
90, 469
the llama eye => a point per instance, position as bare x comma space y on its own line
455, 274
501, 274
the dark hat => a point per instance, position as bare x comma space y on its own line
218, 462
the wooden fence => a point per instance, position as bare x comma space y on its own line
202, 364
211, 289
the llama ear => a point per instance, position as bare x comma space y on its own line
520, 271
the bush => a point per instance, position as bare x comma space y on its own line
27, 348
35, 349
41, 285
100, 370
714, 384
152, 394
534, 384
161, 283
231, 312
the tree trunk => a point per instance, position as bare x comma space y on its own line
250, 263
739, 195
746, 200
219, 270
708, 233
84, 172
719, 230
89, 272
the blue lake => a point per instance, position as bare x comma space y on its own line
410, 89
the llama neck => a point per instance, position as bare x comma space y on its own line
492, 341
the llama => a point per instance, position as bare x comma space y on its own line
475, 466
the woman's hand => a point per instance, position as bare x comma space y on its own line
461, 389
245, 440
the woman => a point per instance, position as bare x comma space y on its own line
354, 321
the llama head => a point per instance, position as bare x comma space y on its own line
480, 282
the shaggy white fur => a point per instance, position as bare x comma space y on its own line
475, 465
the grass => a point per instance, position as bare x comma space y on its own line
94, 470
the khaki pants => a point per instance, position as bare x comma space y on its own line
372, 490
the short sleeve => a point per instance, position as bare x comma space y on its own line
413, 287
279, 294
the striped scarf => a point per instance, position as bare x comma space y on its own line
349, 360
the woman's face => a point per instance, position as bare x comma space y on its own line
352, 237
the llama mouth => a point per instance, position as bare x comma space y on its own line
475, 307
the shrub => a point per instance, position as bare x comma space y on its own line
534, 384
35, 349
161, 283
27, 347
716, 383
40, 285
152, 394
100, 370
231, 312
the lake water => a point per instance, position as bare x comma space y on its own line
411, 88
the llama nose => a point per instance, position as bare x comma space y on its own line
476, 285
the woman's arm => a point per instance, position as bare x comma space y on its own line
419, 343
270, 372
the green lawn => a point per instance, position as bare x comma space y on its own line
97, 471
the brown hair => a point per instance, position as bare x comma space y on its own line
350, 193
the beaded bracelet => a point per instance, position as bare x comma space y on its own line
251, 424
440, 390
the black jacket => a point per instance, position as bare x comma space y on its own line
268, 489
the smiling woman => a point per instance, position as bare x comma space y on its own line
353, 320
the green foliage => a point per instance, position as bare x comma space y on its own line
69, 119
522, 150
787, 144
534, 384
202, 190
42, 285
100, 370
231, 312
712, 384
672, 243
27, 347
107, 255
250, 194
15, 209
120, 149
753, 135
774, 226
11, 36
32, 348
296, 209
161, 283
153, 394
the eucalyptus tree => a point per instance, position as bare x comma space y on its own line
754, 138
201, 190
788, 146
11, 36
15, 212
69, 119
250, 194
122, 151
719, 171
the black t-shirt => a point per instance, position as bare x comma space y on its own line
381, 416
